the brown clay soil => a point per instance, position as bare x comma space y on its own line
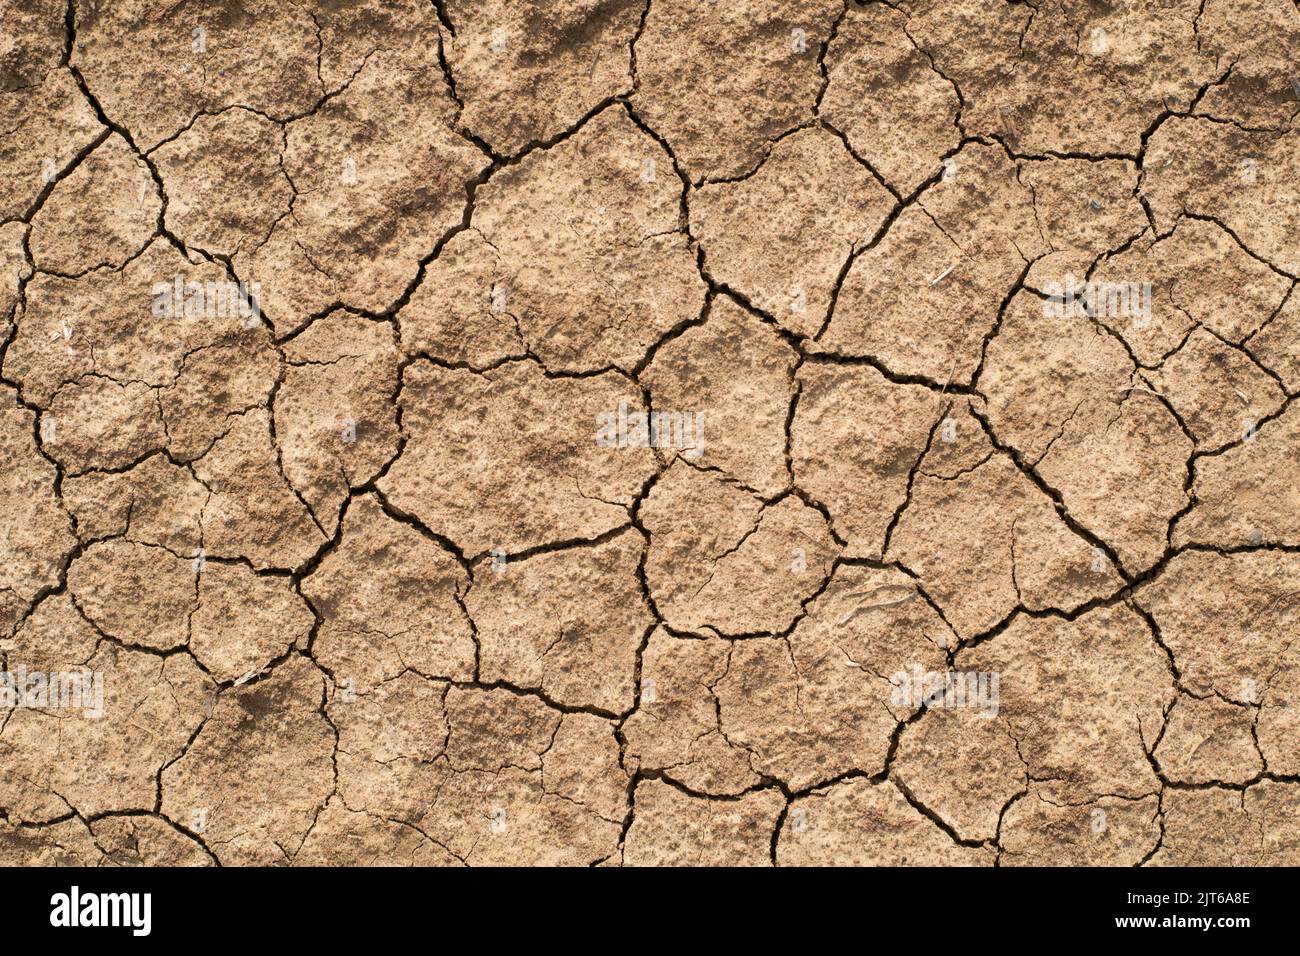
964, 529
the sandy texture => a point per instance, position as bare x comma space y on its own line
650, 433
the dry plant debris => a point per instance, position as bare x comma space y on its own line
650, 432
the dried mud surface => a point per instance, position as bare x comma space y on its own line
369, 576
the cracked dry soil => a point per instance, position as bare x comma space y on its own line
973, 335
